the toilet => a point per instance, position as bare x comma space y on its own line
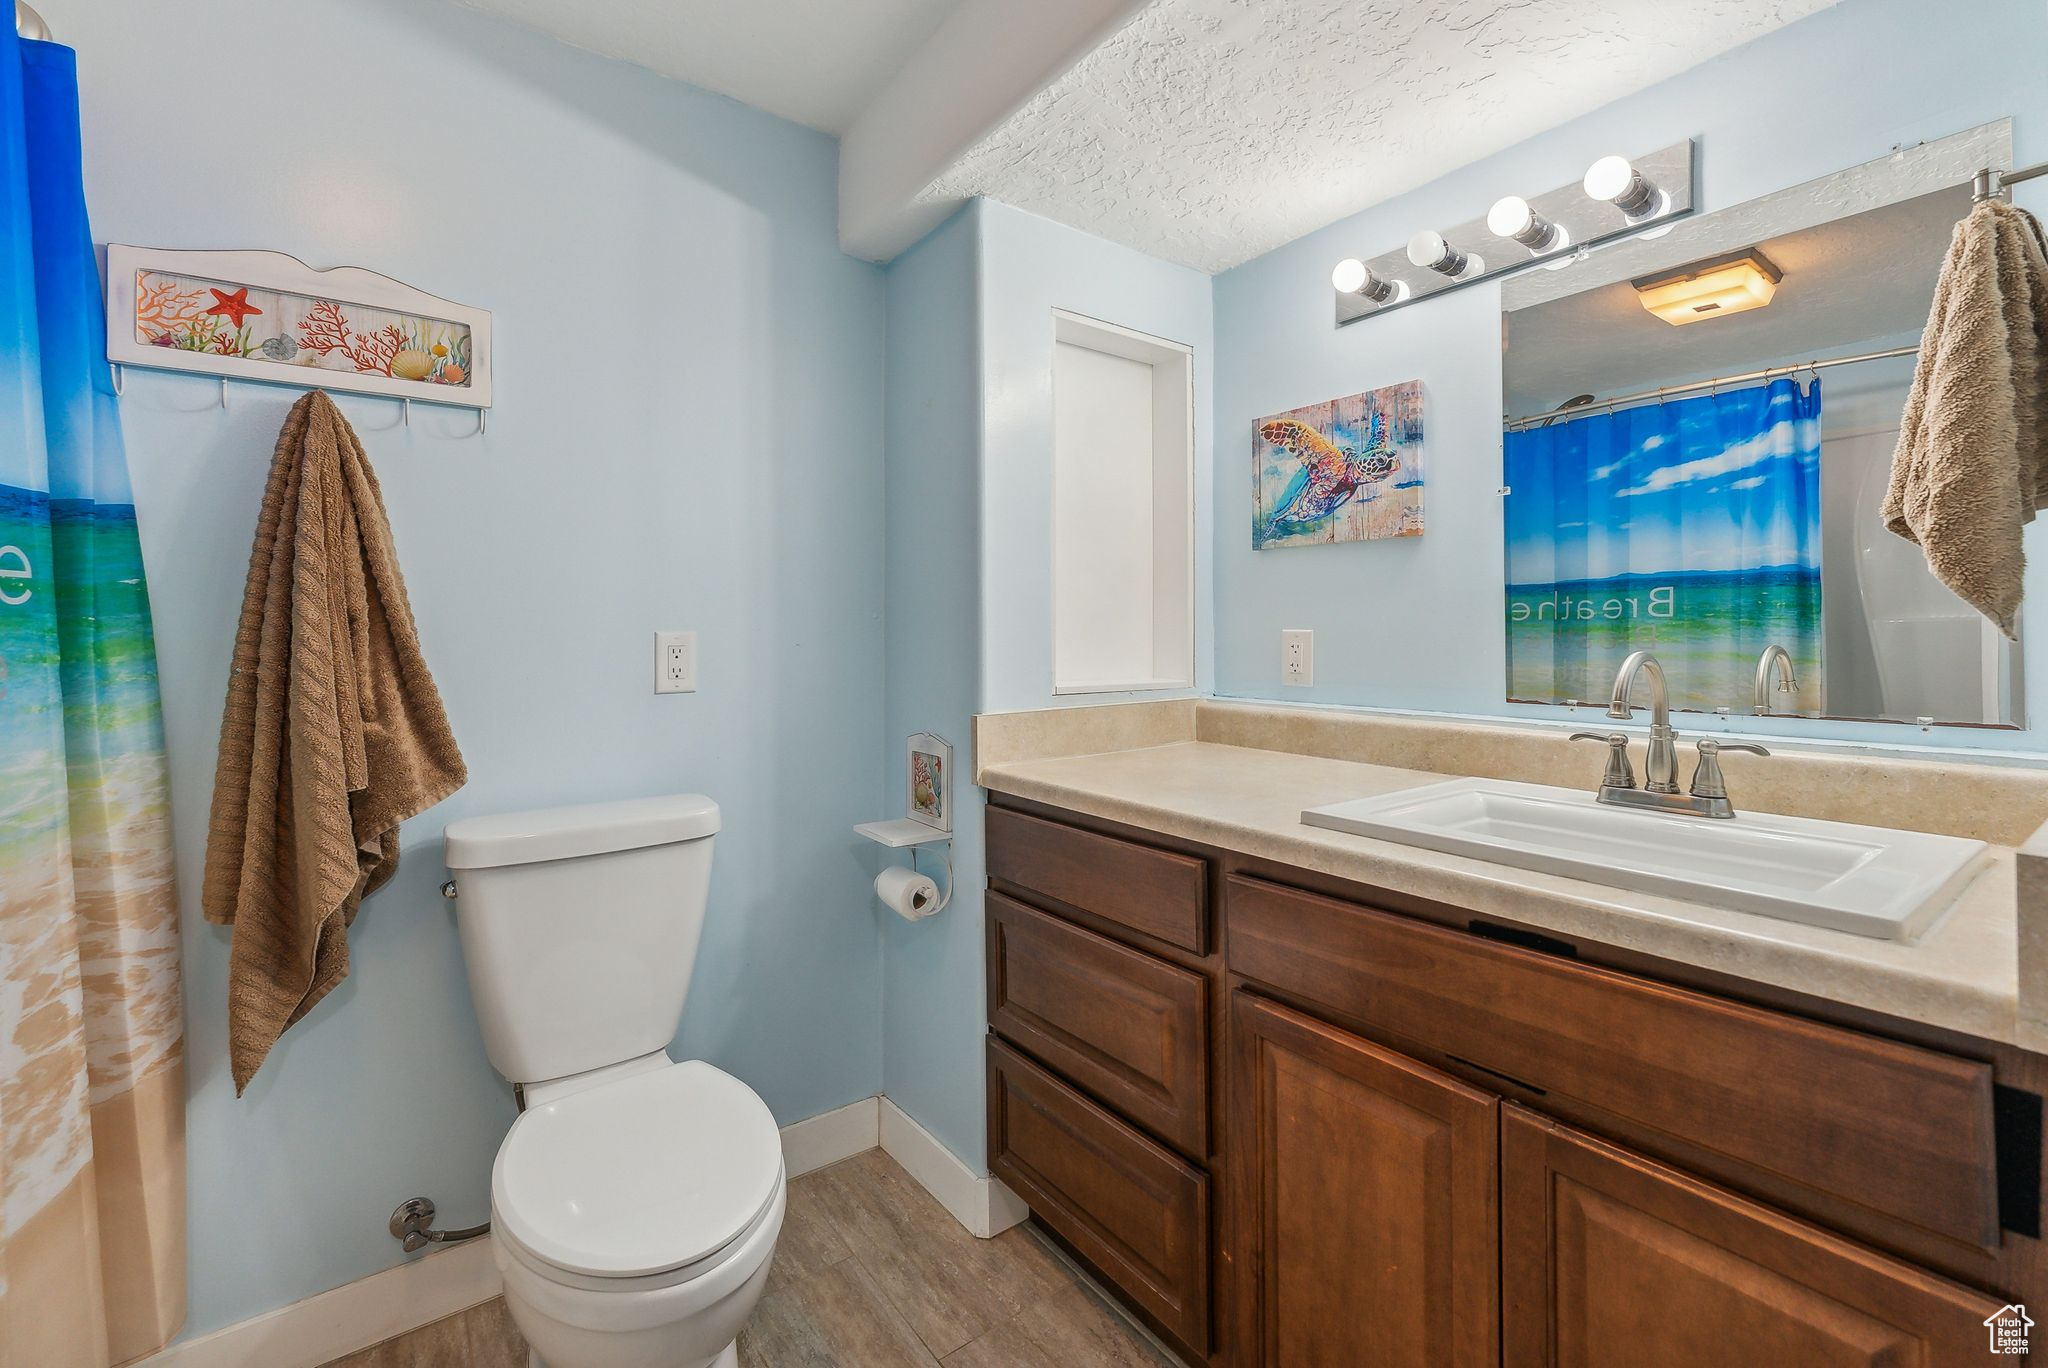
636, 1201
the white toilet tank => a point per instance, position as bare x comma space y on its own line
580, 926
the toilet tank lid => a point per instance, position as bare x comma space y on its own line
511, 838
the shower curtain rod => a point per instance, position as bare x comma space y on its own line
1669, 391
29, 24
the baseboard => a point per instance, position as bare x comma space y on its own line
983, 1205
838, 1134
421, 1291
350, 1317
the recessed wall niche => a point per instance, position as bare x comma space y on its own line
1123, 510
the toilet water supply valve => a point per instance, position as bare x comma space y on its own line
412, 1225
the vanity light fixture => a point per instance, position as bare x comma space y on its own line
1551, 229
1511, 217
1433, 251
1721, 285
1616, 180
1353, 277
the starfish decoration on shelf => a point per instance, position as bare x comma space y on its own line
236, 305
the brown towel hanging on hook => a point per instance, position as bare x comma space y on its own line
333, 734
1971, 465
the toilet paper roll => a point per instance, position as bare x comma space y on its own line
910, 895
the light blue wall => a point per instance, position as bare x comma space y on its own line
688, 435
1029, 267
932, 994
1417, 624
970, 524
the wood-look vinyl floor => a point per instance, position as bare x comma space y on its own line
870, 1272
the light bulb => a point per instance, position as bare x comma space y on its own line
1511, 217
1615, 180
1354, 277
1431, 250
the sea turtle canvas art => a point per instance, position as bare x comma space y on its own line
1347, 469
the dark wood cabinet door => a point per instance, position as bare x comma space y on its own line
1366, 1186
1610, 1260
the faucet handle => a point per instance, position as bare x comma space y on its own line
1620, 774
1707, 779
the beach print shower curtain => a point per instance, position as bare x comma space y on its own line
1690, 529
92, 1161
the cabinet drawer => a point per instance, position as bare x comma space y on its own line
1129, 1028
1156, 893
1869, 1124
1134, 1210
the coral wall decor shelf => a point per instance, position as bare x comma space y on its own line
271, 318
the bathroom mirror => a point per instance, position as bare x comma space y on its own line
1699, 426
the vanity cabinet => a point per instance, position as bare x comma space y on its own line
1293, 1121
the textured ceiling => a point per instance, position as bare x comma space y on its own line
817, 62
1209, 131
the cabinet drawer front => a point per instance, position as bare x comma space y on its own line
1610, 1258
1132, 1208
1129, 1028
1898, 1131
1156, 893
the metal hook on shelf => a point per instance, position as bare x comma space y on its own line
120, 378
406, 405
483, 421
946, 860
223, 394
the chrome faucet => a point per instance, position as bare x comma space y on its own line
1788, 681
1660, 766
1659, 793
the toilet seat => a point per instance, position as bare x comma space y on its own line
639, 1183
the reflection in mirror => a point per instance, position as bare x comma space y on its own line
1697, 454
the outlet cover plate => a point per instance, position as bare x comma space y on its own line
1298, 657
675, 662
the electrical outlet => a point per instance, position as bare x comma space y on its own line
675, 662
1298, 657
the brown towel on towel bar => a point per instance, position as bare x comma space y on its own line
1972, 460
333, 733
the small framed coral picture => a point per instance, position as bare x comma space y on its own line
255, 315
930, 771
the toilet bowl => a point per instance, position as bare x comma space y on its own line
636, 1201
635, 1218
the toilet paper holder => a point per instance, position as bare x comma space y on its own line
945, 853
907, 833
927, 820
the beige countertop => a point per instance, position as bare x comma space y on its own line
1961, 974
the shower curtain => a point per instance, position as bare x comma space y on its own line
1690, 529
92, 1147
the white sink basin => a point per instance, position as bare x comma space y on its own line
1867, 880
